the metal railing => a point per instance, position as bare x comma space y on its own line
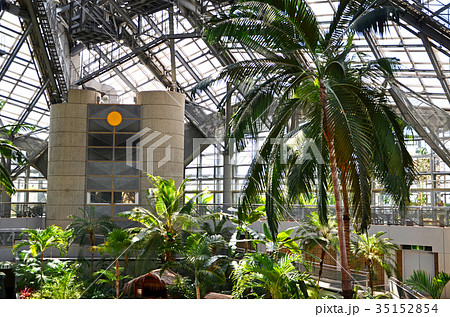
428, 216
22, 210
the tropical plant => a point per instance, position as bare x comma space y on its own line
278, 278
27, 271
303, 68
110, 278
40, 240
9, 152
167, 217
63, 281
116, 245
218, 226
243, 221
317, 233
375, 250
424, 282
198, 259
182, 288
87, 226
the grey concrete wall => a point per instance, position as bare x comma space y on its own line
67, 157
163, 112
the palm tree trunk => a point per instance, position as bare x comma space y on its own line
347, 291
197, 287
346, 216
42, 269
369, 266
92, 240
117, 278
322, 258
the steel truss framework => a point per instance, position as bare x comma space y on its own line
136, 45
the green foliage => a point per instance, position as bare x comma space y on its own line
424, 282
110, 278
182, 288
8, 151
279, 278
40, 240
162, 225
87, 226
27, 271
199, 258
374, 249
63, 281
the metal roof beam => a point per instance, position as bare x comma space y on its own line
16, 50
436, 65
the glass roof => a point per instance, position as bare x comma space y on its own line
194, 59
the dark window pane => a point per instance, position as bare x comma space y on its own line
99, 111
99, 183
126, 183
125, 154
129, 126
121, 168
125, 197
99, 125
100, 154
99, 197
121, 139
129, 111
103, 139
99, 168
101, 211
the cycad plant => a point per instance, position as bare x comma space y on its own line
116, 245
375, 250
40, 240
278, 277
164, 222
424, 282
303, 68
317, 233
198, 258
87, 226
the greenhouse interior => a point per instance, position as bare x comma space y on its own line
279, 149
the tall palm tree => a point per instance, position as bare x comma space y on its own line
302, 69
40, 240
199, 258
316, 233
9, 152
375, 250
87, 226
116, 245
422, 281
277, 276
167, 217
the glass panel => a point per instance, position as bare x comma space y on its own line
99, 168
126, 183
124, 197
129, 111
121, 154
100, 154
99, 197
102, 211
99, 183
121, 139
123, 169
99, 111
99, 125
129, 126
103, 139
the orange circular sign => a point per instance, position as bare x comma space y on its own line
114, 118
